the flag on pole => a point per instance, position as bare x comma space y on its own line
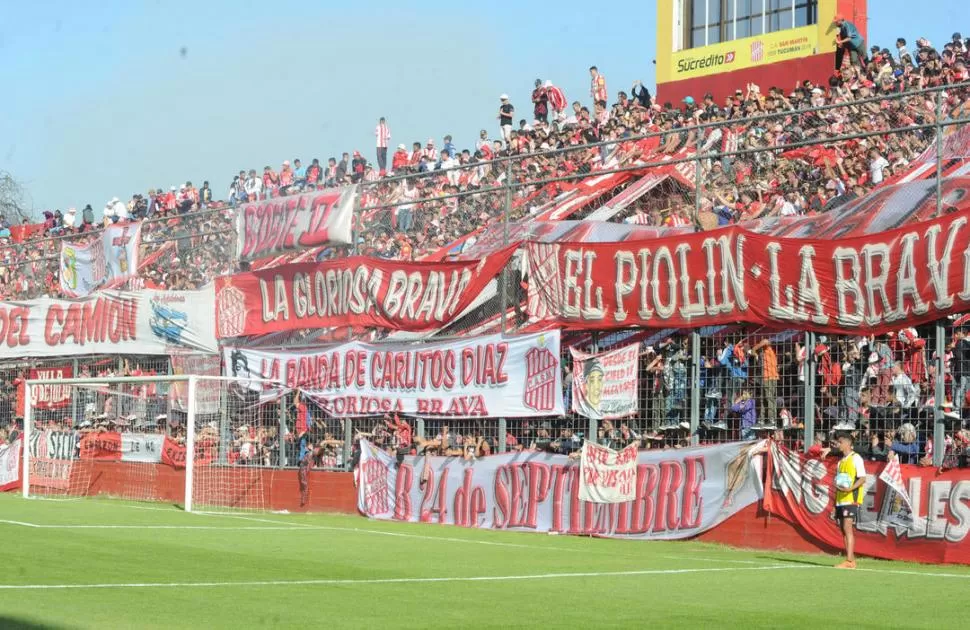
897, 507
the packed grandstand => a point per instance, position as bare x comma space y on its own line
772, 159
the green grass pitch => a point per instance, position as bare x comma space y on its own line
108, 564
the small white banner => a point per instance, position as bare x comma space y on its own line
141, 447
607, 476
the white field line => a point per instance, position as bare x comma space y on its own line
722, 560
415, 580
152, 527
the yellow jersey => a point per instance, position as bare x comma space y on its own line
853, 466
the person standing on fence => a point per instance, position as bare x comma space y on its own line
769, 379
383, 134
505, 115
848, 497
849, 40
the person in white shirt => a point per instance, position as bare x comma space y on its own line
876, 165
904, 392
253, 185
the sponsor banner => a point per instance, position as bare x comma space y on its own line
874, 283
10, 466
107, 262
109, 322
50, 397
141, 447
739, 54
492, 376
289, 224
605, 385
677, 493
802, 491
356, 291
207, 392
82, 268
607, 476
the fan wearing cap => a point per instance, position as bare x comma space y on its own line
849, 40
505, 114
850, 481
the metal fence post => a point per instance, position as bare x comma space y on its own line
74, 393
420, 429
504, 277
348, 441
281, 440
502, 431
698, 191
695, 390
809, 393
939, 428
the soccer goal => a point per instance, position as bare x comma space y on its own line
130, 438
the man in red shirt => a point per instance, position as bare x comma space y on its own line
302, 414
597, 86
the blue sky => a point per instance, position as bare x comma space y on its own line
100, 103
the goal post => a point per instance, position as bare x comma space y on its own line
197, 441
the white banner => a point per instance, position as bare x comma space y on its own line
607, 476
9, 463
105, 262
109, 322
492, 376
142, 447
207, 392
605, 385
82, 268
121, 244
298, 222
678, 493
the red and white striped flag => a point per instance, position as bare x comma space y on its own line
897, 507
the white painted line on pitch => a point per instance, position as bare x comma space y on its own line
351, 582
21, 523
962, 576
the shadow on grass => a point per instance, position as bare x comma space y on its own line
813, 563
15, 623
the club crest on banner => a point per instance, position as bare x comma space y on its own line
541, 370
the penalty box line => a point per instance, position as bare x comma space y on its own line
414, 580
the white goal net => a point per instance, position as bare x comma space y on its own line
129, 438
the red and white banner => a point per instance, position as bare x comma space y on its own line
605, 385
482, 377
677, 493
357, 291
871, 283
105, 263
802, 491
10, 466
289, 224
207, 391
109, 322
607, 476
51, 396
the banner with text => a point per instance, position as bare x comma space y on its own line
109, 322
802, 491
492, 376
48, 396
605, 385
105, 263
289, 224
677, 493
356, 291
606, 475
873, 283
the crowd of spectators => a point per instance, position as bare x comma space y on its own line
879, 387
404, 214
